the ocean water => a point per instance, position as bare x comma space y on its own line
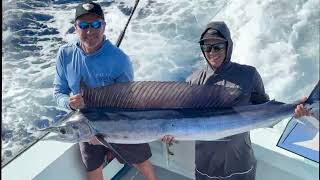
280, 38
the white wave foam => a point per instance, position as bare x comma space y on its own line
279, 38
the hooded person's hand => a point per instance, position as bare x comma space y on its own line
301, 110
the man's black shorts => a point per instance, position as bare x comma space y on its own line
93, 156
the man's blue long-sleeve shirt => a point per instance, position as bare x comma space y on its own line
105, 66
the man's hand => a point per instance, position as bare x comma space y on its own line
300, 110
76, 101
167, 139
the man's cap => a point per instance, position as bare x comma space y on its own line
89, 8
212, 34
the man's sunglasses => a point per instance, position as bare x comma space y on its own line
85, 25
215, 47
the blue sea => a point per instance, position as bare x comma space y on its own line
280, 38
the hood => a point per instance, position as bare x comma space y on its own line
224, 31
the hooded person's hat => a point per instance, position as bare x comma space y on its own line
212, 34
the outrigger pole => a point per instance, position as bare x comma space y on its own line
125, 28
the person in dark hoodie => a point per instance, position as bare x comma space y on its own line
230, 158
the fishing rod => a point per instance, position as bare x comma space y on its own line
120, 38
125, 28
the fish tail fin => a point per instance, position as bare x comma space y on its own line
312, 103
314, 95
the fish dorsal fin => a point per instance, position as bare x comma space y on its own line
160, 95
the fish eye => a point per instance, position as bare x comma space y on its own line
62, 131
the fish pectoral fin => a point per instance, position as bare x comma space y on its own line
101, 139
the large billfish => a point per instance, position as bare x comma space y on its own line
142, 112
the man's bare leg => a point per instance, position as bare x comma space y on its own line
146, 169
95, 174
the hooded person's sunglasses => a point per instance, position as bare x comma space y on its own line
213, 47
85, 25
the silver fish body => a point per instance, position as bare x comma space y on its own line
141, 112
143, 126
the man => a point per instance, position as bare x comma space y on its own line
95, 60
230, 158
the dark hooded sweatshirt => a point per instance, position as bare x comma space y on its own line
230, 158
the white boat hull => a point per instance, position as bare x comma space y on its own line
51, 160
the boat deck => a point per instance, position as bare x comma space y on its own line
160, 173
